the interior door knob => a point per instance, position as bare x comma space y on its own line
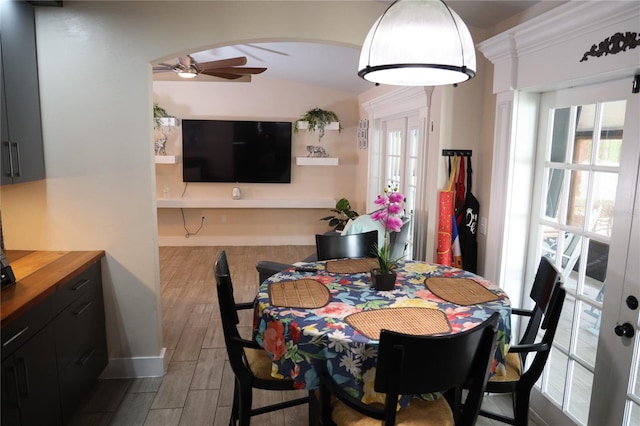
625, 330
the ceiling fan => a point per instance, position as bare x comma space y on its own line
228, 69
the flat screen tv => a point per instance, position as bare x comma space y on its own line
236, 151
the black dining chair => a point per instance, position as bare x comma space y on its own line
346, 246
414, 365
250, 363
522, 371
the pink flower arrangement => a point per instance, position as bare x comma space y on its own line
389, 215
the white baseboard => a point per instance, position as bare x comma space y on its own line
233, 240
126, 368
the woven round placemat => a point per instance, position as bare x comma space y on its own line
461, 291
303, 293
418, 321
351, 266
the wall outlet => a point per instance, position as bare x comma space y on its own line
203, 219
223, 218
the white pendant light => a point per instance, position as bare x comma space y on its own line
418, 43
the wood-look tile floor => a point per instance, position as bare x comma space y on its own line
198, 386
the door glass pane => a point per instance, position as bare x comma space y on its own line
611, 134
557, 371
563, 334
604, 192
554, 190
583, 143
569, 266
633, 417
587, 337
596, 271
577, 198
580, 395
560, 135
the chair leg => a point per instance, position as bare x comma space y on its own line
244, 404
234, 408
521, 410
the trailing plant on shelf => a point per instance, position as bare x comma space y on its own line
158, 113
318, 119
344, 214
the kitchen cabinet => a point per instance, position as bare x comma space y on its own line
30, 383
21, 155
53, 335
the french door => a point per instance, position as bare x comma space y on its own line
400, 162
586, 218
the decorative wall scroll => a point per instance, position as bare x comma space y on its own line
363, 130
617, 43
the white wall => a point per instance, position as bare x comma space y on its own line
95, 83
262, 99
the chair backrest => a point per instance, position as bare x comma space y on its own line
550, 325
346, 246
409, 364
547, 276
398, 240
228, 314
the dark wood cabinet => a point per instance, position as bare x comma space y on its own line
81, 348
21, 151
30, 392
54, 351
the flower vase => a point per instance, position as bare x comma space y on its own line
383, 282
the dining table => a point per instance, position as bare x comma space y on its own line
326, 316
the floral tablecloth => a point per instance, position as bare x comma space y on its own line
303, 341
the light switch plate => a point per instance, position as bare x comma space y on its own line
482, 229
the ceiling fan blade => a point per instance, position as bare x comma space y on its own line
162, 69
225, 75
240, 70
223, 63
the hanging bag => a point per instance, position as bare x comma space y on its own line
469, 228
445, 218
461, 193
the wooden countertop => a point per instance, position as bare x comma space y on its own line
39, 274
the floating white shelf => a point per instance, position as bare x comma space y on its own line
245, 203
317, 161
167, 159
304, 125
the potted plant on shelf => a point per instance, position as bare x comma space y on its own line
390, 213
343, 209
158, 114
161, 118
317, 119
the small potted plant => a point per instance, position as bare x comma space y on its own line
343, 209
390, 213
317, 119
161, 118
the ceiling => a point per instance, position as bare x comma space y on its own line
331, 66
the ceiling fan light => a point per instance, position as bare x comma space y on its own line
418, 43
189, 73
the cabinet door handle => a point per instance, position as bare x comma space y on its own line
23, 390
83, 308
15, 336
11, 380
85, 357
80, 285
17, 170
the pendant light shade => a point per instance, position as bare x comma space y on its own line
418, 43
